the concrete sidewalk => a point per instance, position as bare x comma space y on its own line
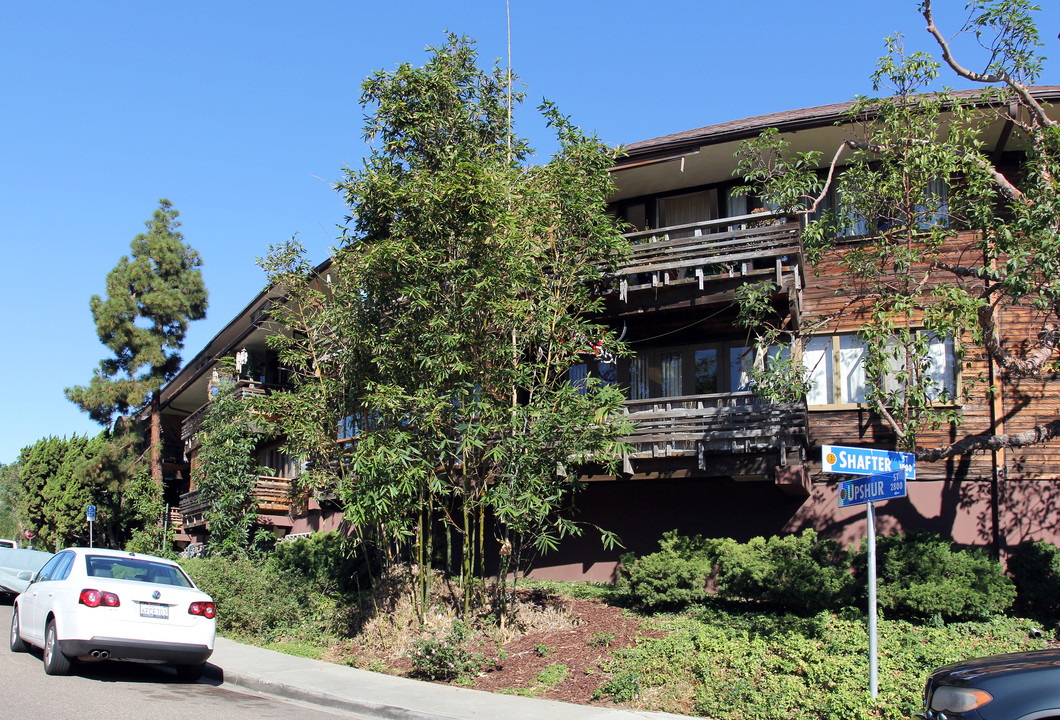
385, 696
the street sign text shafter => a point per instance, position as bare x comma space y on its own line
866, 461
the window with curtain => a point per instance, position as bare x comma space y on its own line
937, 209
820, 372
639, 388
670, 375
690, 208
852, 356
836, 369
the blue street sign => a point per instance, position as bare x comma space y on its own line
872, 488
91, 513
866, 461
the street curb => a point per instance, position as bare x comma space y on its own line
256, 683
259, 684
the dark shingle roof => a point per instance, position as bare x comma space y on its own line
787, 121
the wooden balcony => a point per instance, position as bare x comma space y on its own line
175, 520
717, 429
245, 389
271, 494
757, 245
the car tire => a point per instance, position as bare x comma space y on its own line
17, 643
190, 673
55, 663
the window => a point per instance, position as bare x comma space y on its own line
691, 370
934, 211
685, 209
50, 569
577, 375
836, 369
639, 373
670, 375
62, 570
706, 371
741, 362
937, 209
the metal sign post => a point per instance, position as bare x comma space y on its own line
91, 515
874, 686
868, 489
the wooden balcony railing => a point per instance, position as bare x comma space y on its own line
271, 494
723, 423
245, 388
755, 244
175, 520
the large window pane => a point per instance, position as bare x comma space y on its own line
706, 371
817, 360
852, 355
741, 362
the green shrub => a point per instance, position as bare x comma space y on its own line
920, 575
250, 601
802, 573
1035, 570
674, 576
328, 560
742, 665
444, 658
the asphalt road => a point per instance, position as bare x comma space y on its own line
128, 691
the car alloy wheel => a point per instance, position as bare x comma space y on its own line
17, 643
55, 663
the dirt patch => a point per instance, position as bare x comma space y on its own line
558, 648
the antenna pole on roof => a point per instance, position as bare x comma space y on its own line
508, 8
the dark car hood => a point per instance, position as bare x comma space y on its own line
979, 670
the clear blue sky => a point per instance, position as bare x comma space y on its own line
244, 113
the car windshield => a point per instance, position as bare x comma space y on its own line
131, 568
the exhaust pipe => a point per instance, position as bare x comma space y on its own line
100, 654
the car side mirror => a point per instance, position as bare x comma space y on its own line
26, 576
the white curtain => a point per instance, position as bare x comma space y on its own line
638, 378
941, 367
690, 208
852, 352
817, 360
670, 379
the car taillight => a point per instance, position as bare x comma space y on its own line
202, 608
95, 598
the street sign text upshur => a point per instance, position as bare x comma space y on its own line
872, 488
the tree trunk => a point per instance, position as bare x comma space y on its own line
156, 440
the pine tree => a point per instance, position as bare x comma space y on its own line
151, 298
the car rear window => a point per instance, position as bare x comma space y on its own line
128, 568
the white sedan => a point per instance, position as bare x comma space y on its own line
95, 604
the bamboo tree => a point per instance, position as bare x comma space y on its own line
462, 291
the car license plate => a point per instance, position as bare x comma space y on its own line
153, 610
